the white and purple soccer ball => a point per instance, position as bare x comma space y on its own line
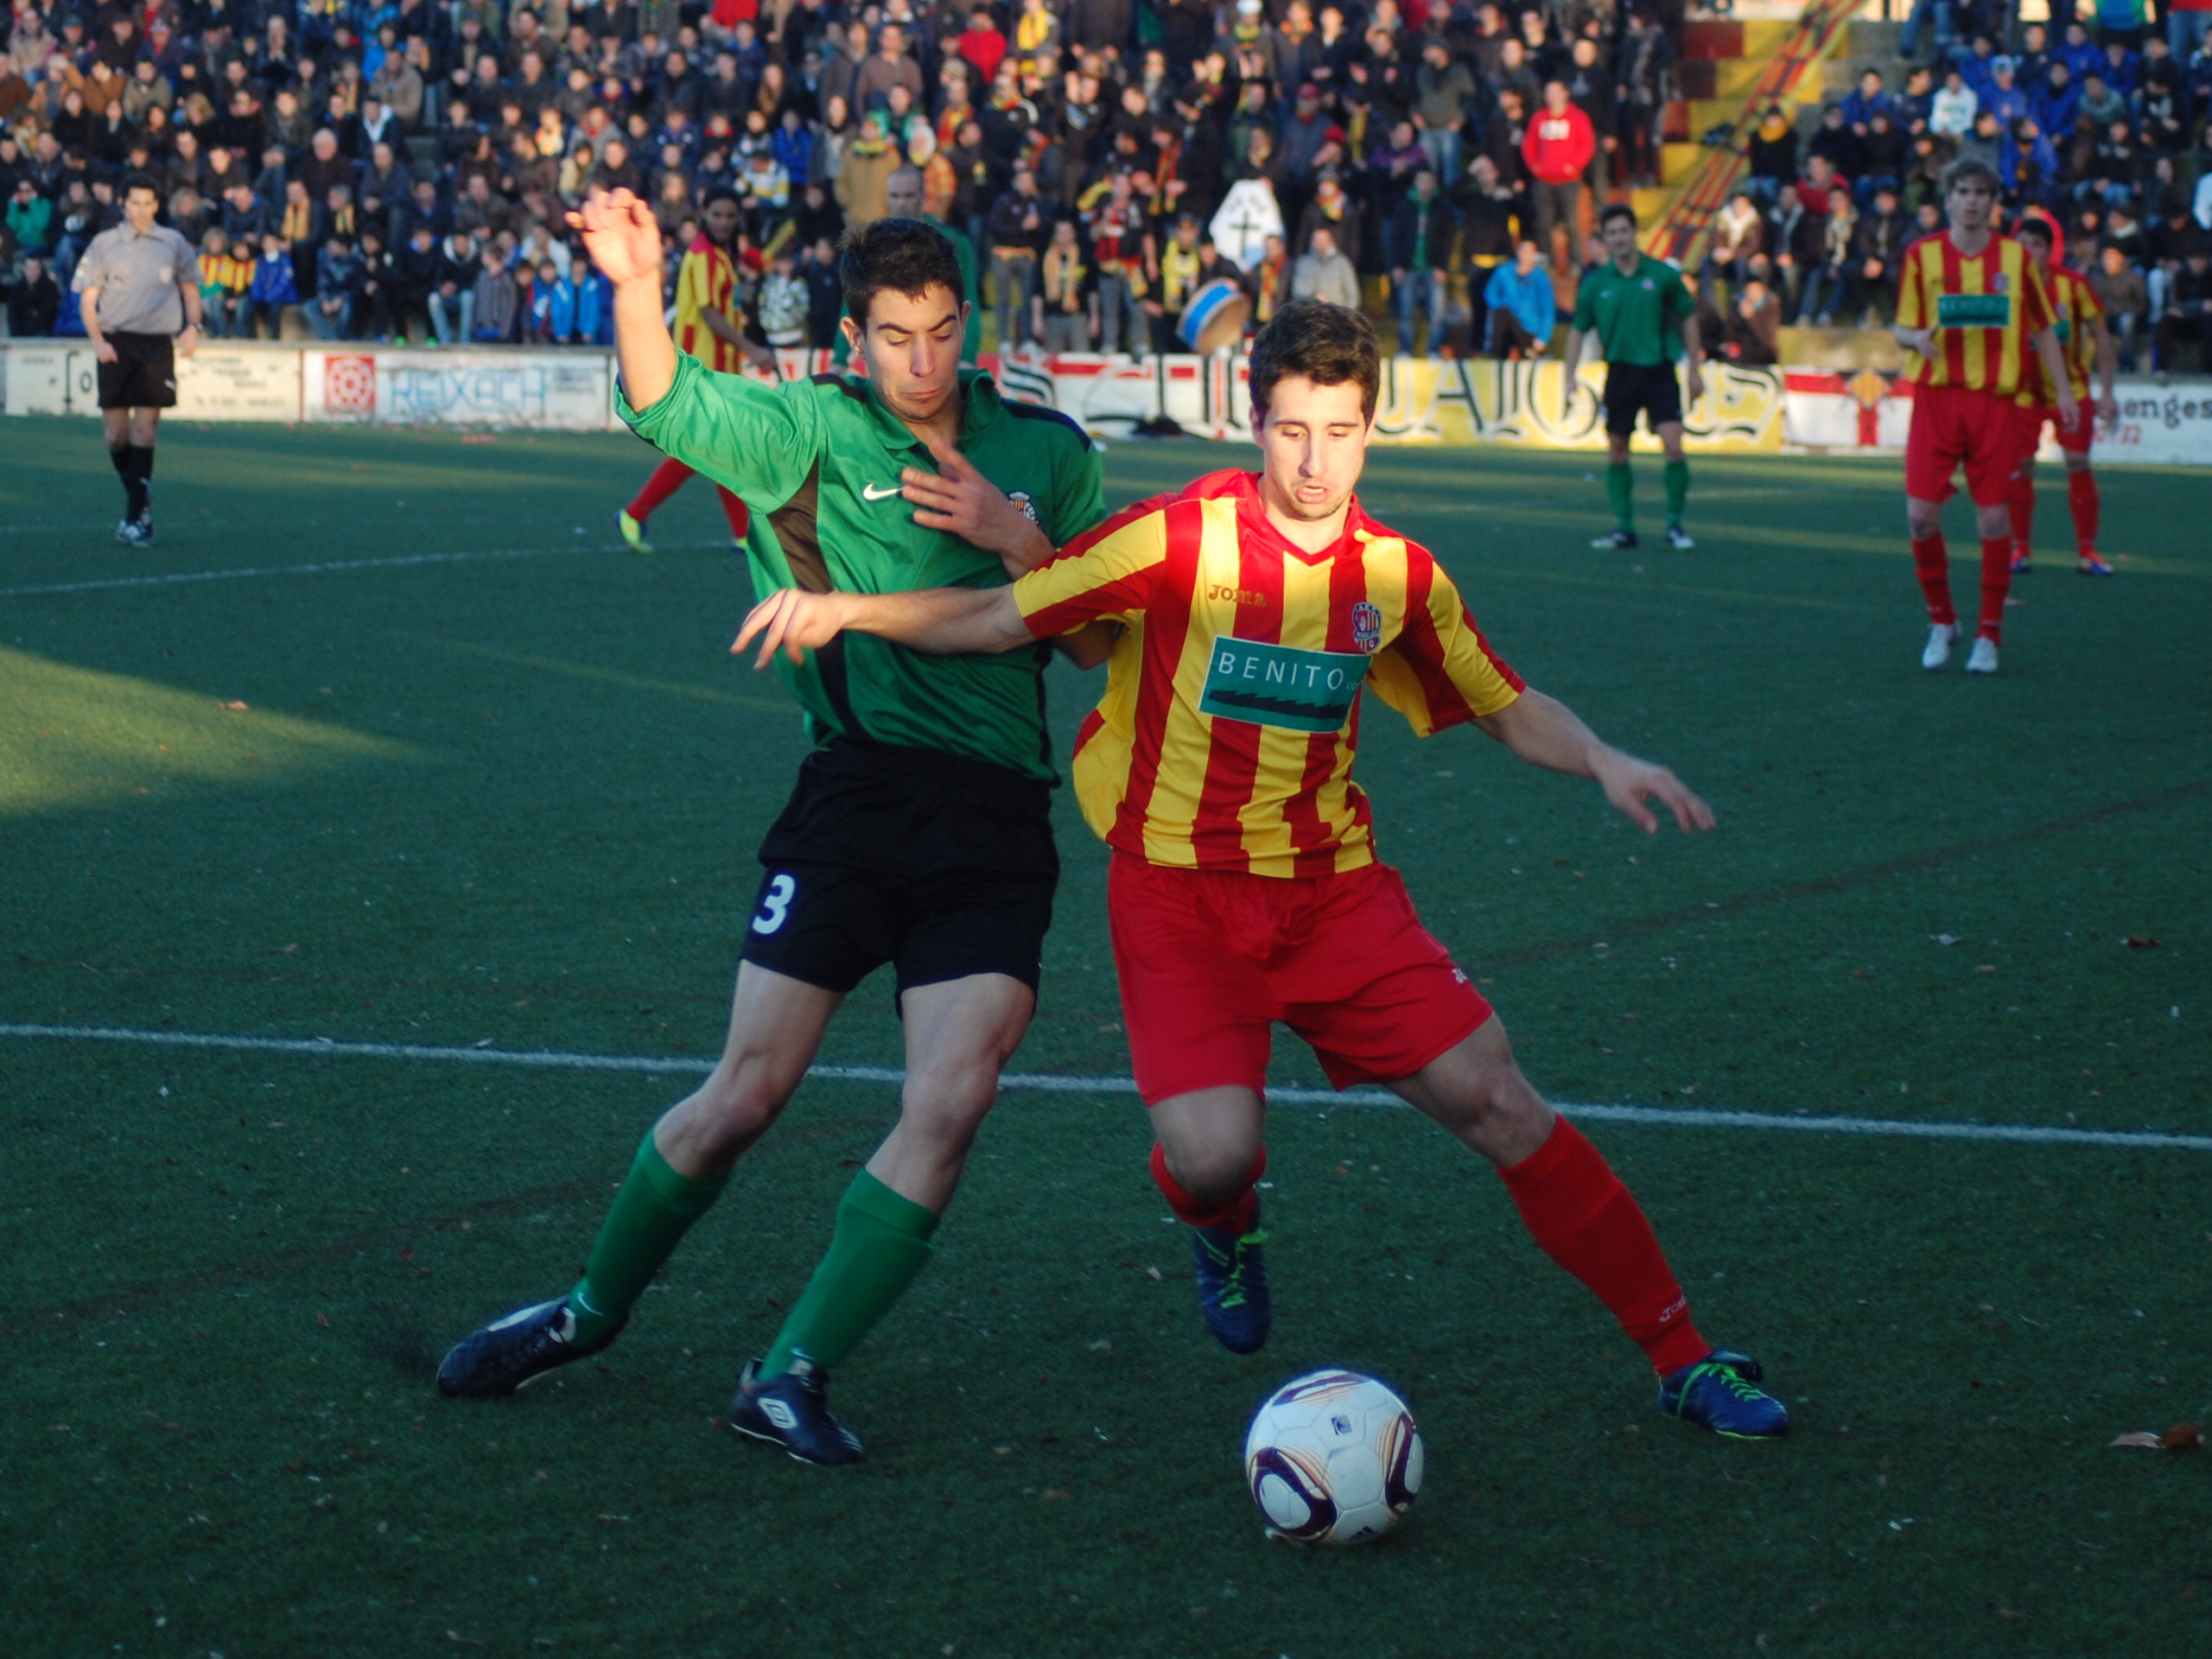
1333, 1458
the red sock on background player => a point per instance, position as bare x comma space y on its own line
1584, 1219
1931, 563
2082, 497
2023, 509
1996, 583
670, 477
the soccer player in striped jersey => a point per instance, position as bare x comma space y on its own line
1971, 307
1245, 888
708, 326
2087, 346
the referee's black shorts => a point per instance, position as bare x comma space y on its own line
1650, 388
143, 374
941, 866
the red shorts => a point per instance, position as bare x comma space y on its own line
2031, 418
1951, 424
1209, 959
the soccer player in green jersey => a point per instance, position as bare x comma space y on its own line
919, 832
1642, 314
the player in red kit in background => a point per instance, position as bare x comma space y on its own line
2087, 344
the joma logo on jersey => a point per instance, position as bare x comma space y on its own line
1281, 686
1234, 594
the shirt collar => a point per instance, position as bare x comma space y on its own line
1244, 488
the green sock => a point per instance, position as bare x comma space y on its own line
1677, 474
882, 1242
650, 1217
1620, 490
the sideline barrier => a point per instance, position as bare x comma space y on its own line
1462, 402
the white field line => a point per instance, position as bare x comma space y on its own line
326, 568
1049, 1082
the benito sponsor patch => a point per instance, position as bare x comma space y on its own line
1281, 685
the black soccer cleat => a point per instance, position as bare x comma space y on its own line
515, 1351
792, 1411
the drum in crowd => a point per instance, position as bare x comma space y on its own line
1214, 321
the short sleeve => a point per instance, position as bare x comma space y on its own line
2034, 300
1677, 304
91, 269
1439, 671
1114, 571
2086, 302
1079, 489
1585, 305
759, 440
1911, 303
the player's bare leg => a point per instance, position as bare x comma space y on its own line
1584, 1219
959, 1036
776, 1024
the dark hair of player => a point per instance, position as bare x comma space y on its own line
1327, 344
139, 182
1972, 167
722, 193
907, 256
2036, 226
1613, 210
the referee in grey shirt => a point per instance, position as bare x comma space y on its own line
140, 288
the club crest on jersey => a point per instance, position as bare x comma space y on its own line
1366, 627
1022, 499
1999, 283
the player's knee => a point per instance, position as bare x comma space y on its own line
946, 1106
1209, 1172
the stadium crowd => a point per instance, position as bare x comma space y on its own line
399, 169
2099, 126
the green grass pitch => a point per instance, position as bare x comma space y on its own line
513, 801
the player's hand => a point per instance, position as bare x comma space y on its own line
1630, 783
1692, 382
793, 622
105, 352
622, 236
959, 500
2070, 411
2108, 409
1567, 397
187, 339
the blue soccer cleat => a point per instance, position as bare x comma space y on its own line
1233, 1287
515, 1351
1717, 1393
792, 1411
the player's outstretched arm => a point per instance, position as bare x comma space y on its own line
1545, 732
624, 241
949, 622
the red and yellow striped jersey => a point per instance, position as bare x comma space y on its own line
2075, 309
707, 277
1983, 311
1225, 738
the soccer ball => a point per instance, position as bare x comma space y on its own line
1333, 1458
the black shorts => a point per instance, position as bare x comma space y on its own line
143, 374
940, 866
1652, 388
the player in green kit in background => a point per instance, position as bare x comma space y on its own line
1642, 313
919, 833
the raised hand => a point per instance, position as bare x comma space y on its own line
621, 234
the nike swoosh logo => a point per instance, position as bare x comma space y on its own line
869, 492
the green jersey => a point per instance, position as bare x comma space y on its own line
1637, 318
817, 461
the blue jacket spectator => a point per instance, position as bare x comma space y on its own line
1529, 298
2056, 105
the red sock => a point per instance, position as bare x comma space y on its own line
1586, 1221
2022, 506
2081, 496
1931, 562
668, 477
1234, 1215
733, 509
1996, 583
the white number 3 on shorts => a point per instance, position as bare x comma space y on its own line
775, 904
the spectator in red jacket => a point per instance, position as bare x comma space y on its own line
982, 44
1557, 148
